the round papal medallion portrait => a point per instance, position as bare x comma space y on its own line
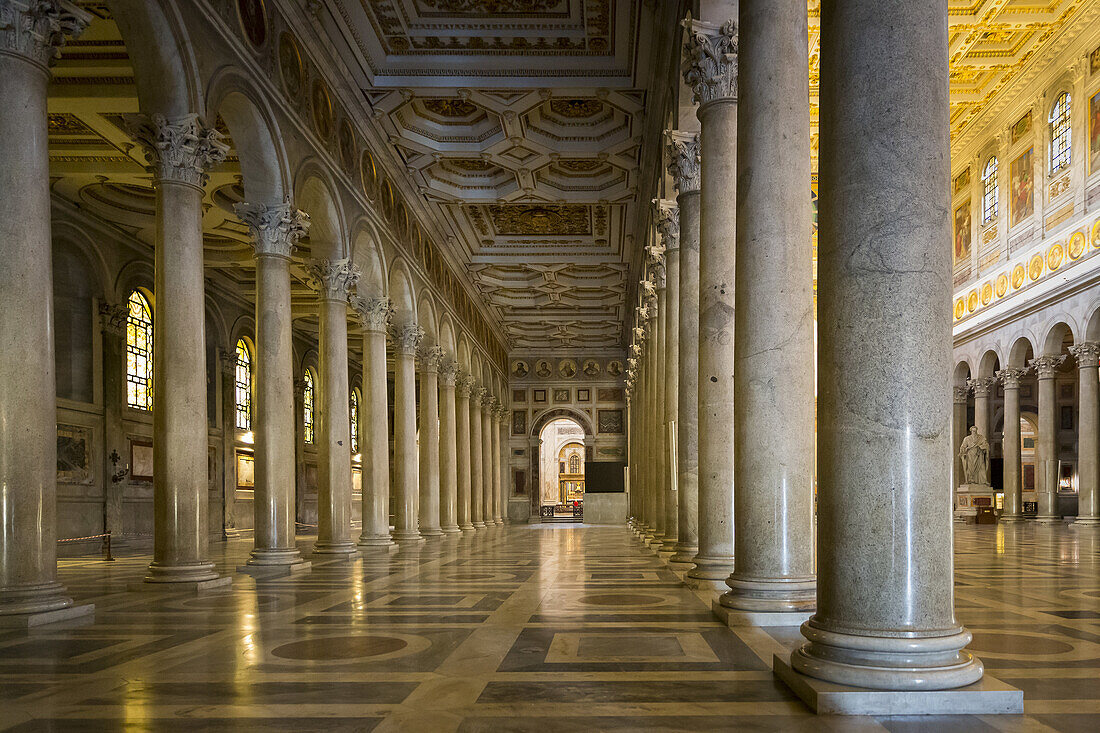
290, 66
987, 293
1018, 275
972, 301
1002, 285
1055, 255
1035, 267
253, 21
1076, 246
960, 308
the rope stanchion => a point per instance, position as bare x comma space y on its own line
107, 556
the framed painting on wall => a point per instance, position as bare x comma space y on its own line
561, 395
584, 395
519, 422
141, 459
962, 233
610, 421
539, 395
246, 471
1021, 194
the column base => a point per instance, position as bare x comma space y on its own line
685, 555
33, 598
771, 595
452, 530
1048, 520
736, 619
273, 571
709, 572
41, 618
407, 537
346, 547
200, 572
1012, 519
266, 557
431, 533
1088, 521
498, 521
467, 527
671, 545
988, 696
479, 525
655, 541
195, 586
382, 540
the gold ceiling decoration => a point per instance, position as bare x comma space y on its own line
576, 108
453, 108
524, 219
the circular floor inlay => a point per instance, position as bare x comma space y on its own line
621, 600
340, 647
1023, 644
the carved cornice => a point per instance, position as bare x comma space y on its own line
710, 60
333, 279
407, 339
374, 313
448, 373
431, 358
683, 160
181, 149
1047, 366
275, 228
112, 318
35, 30
1087, 354
982, 386
1010, 378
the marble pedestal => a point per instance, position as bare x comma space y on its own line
988, 696
735, 618
965, 509
30, 620
198, 586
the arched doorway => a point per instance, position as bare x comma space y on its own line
561, 470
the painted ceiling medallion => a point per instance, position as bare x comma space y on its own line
580, 165
452, 108
522, 219
576, 108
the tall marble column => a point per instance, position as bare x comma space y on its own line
1087, 354
33, 33
406, 340
275, 229
488, 404
477, 470
180, 150
502, 453
683, 154
1013, 506
464, 384
448, 447
668, 226
710, 69
497, 421
112, 318
651, 467
885, 603
333, 280
773, 372
959, 431
430, 360
1046, 447
983, 392
374, 318
659, 417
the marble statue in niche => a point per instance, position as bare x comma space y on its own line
974, 453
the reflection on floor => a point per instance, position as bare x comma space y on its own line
495, 632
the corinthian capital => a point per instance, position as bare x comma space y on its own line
181, 149
1087, 354
275, 228
683, 160
710, 60
1047, 366
476, 395
333, 279
1010, 378
464, 384
982, 386
35, 29
668, 224
407, 338
374, 313
448, 372
431, 358
112, 318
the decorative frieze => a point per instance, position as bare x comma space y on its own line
180, 149
275, 228
710, 60
333, 279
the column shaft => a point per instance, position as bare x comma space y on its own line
405, 478
463, 421
1046, 447
498, 465
448, 457
429, 442
477, 495
374, 314
660, 418
1088, 437
1013, 506
487, 459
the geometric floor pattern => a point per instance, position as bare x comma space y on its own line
535, 628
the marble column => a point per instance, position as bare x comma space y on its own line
710, 69
683, 166
275, 229
448, 446
659, 415
958, 433
1087, 354
983, 391
650, 466
504, 428
112, 318
464, 384
477, 493
498, 422
488, 404
668, 226
1046, 447
430, 360
773, 373
374, 318
406, 341
32, 35
1013, 506
180, 151
885, 604
333, 280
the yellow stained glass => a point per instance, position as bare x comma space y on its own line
139, 353
307, 406
243, 386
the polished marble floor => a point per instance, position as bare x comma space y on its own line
530, 628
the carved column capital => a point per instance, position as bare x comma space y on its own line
982, 386
448, 372
464, 384
180, 149
227, 361
710, 60
476, 395
488, 401
35, 30
1010, 378
112, 318
333, 279
668, 224
431, 358
275, 228
1087, 354
407, 338
684, 162
960, 394
374, 314
1047, 366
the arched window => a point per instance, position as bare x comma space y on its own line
574, 463
1060, 134
139, 353
355, 421
307, 406
990, 191
242, 386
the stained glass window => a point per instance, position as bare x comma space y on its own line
355, 421
990, 191
307, 406
242, 386
574, 463
1060, 134
139, 353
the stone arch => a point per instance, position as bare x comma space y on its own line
243, 327
447, 335
313, 194
72, 235
962, 373
1055, 337
402, 294
426, 318
165, 69
1092, 325
135, 274
553, 413
368, 254
989, 364
1018, 352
